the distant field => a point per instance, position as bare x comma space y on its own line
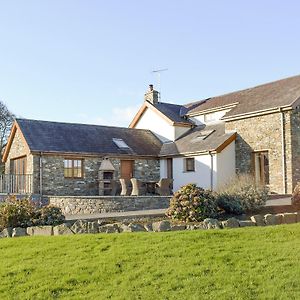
246, 263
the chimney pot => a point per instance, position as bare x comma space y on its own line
151, 95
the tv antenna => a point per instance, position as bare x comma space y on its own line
158, 72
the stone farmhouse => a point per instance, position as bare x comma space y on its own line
207, 142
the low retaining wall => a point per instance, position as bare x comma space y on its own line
73, 205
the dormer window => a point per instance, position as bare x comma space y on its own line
120, 143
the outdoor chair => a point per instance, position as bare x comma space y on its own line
114, 187
125, 187
137, 187
163, 187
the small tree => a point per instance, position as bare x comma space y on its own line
6, 121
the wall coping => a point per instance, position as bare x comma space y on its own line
106, 197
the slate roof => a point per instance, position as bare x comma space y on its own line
191, 142
283, 92
174, 112
44, 136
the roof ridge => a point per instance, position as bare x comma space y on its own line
83, 124
241, 90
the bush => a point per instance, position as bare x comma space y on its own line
50, 215
242, 195
230, 204
16, 213
23, 213
296, 195
192, 204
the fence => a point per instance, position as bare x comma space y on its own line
16, 184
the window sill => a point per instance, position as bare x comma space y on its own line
189, 171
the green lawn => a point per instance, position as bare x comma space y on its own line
246, 263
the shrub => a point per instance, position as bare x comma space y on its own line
242, 195
16, 213
296, 195
23, 213
50, 215
230, 203
192, 204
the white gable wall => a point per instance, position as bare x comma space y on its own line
157, 124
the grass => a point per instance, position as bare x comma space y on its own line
246, 263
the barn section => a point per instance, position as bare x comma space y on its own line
64, 159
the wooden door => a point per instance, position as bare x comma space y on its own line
127, 169
261, 167
170, 168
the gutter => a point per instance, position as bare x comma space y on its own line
41, 173
257, 113
211, 170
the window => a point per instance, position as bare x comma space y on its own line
73, 168
120, 143
189, 164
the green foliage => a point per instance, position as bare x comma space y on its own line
191, 204
243, 263
50, 215
230, 203
23, 213
242, 195
16, 213
296, 195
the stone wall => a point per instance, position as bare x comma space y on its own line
295, 134
104, 204
264, 133
54, 182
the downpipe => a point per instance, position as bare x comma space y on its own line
283, 151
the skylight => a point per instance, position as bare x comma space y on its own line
120, 143
203, 134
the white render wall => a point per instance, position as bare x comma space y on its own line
226, 165
223, 169
157, 124
215, 115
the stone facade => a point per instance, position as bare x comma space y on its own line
54, 182
104, 204
52, 169
264, 133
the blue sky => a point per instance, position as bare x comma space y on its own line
90, 61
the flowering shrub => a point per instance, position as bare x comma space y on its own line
191, 204
23, 213
242, 195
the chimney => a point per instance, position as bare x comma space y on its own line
152, 95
